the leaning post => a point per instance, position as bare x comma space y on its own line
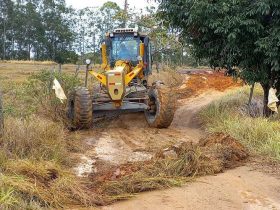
88, 62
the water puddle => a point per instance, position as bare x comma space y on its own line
118, 152
85, 167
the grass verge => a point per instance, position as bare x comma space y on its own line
260, 135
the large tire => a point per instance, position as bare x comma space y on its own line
79, 109
162, 102
1, 116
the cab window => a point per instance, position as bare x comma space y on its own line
125, 48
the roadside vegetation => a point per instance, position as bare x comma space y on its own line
34, 153
233, 116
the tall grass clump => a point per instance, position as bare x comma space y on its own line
35, 167
40, 85
34, 138
260, 135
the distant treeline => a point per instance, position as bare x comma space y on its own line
50, 30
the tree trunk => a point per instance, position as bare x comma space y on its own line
251, 94
4, 42
60, 68
266, 111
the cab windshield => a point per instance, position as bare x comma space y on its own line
125, 48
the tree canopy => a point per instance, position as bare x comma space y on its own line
230, 33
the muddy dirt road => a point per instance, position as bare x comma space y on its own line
240, 188
128, 139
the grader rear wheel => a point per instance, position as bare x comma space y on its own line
1, 116
162, 103
79, 110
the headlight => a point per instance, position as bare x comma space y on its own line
88, 61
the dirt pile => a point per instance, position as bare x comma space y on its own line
213, 154
171, 166
198, 83
224, 150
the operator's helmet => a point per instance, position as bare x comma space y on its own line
123, 46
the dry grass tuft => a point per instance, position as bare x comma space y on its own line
43, 182
33, 160
34, 138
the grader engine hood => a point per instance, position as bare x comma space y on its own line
116, 83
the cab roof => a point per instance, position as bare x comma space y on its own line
129, 30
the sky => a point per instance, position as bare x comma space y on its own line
79, 4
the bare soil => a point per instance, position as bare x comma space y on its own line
240, 188
128, 139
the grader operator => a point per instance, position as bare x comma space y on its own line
123, 84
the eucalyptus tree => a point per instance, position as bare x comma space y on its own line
6, 14
58, 34
108, 18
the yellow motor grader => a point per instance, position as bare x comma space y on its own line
123, 84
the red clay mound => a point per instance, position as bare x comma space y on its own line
224, 148
201, 82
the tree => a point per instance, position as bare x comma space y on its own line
58, 36
6, 14
35, 27
168, 48
108, 18
232, 33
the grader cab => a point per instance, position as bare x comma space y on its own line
123, 84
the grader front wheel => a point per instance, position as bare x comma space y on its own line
161, 110
79, 110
